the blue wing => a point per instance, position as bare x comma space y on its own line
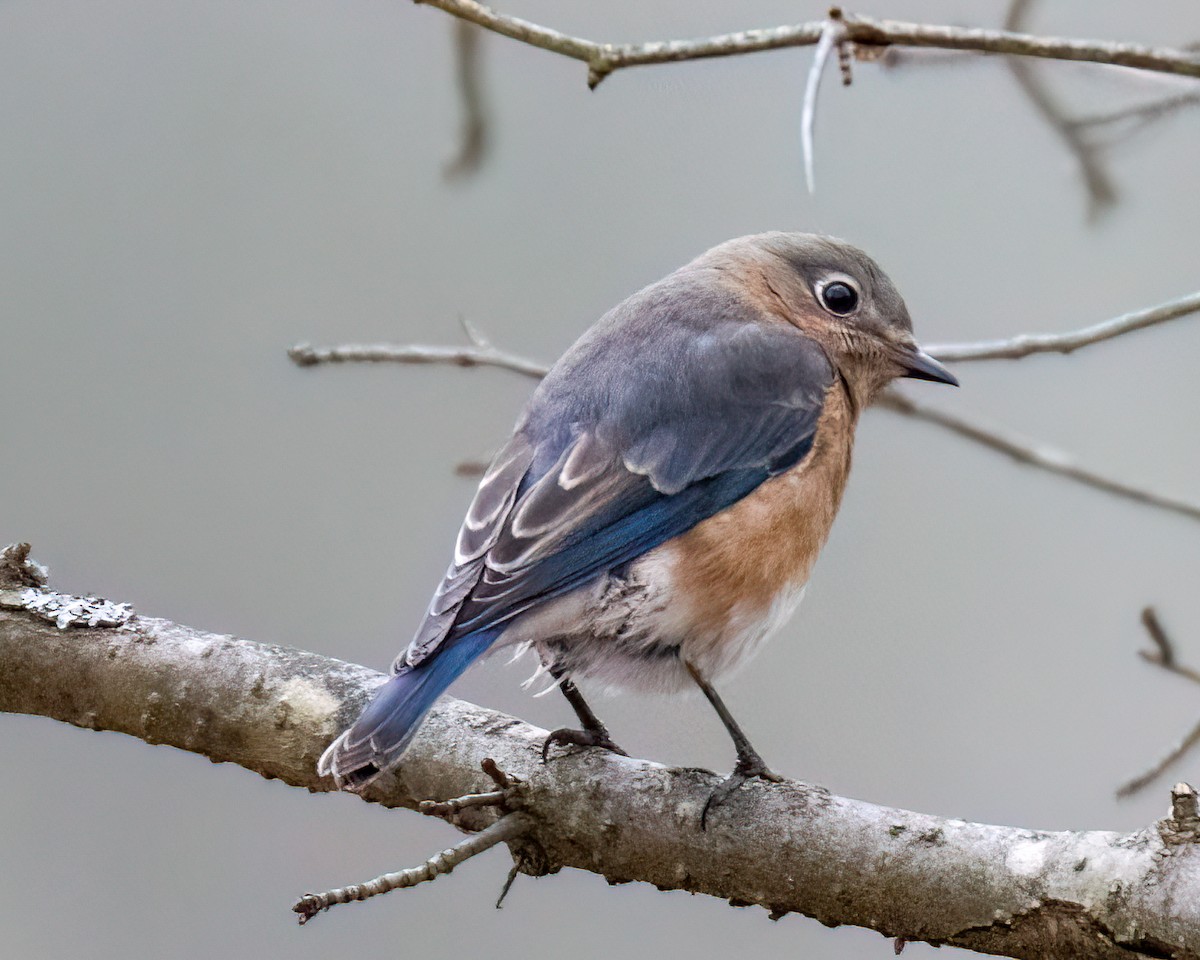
676, 405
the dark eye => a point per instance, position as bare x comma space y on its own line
839, 298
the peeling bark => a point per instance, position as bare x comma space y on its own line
787, 847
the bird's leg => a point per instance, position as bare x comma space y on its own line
749, 764
593, 733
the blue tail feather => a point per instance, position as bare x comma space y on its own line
392, 718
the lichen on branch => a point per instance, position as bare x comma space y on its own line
789, 847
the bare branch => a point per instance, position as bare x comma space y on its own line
508, 827
443, 808
511, 825
789, 847
605, 58
832, 36
1140, 782
1034, 455
473, 140
482, 353
1140, 113
1163, 655
1025, 344
306, 355
1100, 190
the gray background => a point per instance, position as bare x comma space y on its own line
187, 189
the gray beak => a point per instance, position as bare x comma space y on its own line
921, 366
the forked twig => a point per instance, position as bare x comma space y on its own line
1100, 189
508, 827
1162, 655
511, 825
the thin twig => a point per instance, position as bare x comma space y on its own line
483, 354
1044, 458
506, 793
1143, 113
1163, 654
605, 58
508, 827
1144, 780
471, 468
1100, 189
473, 140
518, 863
474, 334
445, 808
1025, 344
306, 355
832, 36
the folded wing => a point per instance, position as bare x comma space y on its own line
630, 441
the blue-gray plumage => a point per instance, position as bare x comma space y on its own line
659, 506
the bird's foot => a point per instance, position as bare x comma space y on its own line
580, 738
747, 768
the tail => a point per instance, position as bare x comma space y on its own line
392, 718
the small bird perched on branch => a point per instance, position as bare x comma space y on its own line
662, 500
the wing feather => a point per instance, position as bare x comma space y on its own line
679, 403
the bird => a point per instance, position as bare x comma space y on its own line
659, 507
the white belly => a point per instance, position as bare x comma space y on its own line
627, 636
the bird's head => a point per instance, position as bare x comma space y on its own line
836, 294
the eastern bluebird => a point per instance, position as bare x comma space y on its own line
666, 491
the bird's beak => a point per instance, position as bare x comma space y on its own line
921, 366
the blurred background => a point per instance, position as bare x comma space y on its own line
190, 188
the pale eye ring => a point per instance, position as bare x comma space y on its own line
838, 297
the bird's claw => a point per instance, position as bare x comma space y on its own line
747, 768
580, 738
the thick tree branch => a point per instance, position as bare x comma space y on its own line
605, 58
787, 847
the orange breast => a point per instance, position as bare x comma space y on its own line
741, 559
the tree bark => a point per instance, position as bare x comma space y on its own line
787, 847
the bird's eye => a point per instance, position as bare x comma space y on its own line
839, 298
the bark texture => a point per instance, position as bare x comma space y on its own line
787, 847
